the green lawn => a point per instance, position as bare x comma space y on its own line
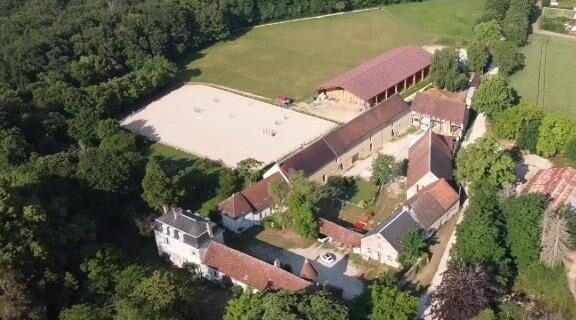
174, 160
293, 58
552, 12
548, 78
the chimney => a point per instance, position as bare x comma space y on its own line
277, 263
209, 229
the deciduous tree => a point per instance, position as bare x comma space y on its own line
478, 56
483, 161
523, 217
249, 170
384, 169
555, 132
507, 58
446, 72
285, 305
488, 33
493, 96
302, 203
160, 191
414, 246
465, 291
511, 122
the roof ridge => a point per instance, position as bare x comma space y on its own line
262, 262
330, 147
396, 52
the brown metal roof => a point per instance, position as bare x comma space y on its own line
432, 202
334, 144
381, 73
252, 199
431, 153
442, 105
251, 271
339, 234
558, 184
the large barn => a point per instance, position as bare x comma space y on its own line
377, 79
360, 138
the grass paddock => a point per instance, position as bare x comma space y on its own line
293, 58
547, 81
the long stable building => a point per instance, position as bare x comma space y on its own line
380, 78
358, 139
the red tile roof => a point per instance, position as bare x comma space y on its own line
381, 73
252, 199
431, 153
334, 144
433, 201
251, 271
439, 104
558, 184
340, 234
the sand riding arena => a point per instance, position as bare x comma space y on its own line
224, 126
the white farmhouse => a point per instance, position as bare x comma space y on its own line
187, 238
427, 211
184, 238
249, 207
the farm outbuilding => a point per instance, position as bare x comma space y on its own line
377, 79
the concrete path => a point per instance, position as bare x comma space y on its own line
424, 309
397, 148
530, 165
477, 131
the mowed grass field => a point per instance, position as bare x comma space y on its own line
548, 80
293, 58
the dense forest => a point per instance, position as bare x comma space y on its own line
71, 178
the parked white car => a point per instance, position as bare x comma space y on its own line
323, 240
328, 258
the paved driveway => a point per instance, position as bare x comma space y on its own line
342, 273
397, 148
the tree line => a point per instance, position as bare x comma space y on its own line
72, 179
505, 247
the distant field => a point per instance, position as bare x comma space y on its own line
548, 79
293, 58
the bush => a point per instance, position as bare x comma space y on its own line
549, 286
528, 139
554, 24
571, 150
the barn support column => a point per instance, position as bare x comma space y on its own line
405, 83
422, 74
386, 94
414, 80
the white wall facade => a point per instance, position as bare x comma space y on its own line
218, 277
375, 247
245, 222
179, 252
